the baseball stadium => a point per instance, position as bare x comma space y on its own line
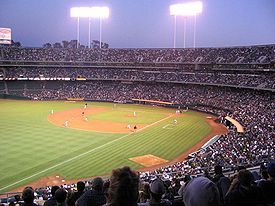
168, 118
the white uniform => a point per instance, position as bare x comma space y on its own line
135, 114
66, 123
175, 121
129, 126
52, 111
86, 119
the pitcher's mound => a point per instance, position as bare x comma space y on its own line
148, 160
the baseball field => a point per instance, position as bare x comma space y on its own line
44, 142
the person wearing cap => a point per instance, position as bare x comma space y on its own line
95, 196
75, 195
201, 191
157, 189
268, 186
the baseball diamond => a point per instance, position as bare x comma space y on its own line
101, 140
137, 103
79, 117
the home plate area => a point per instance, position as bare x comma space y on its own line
148, 160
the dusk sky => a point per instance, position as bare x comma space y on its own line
141, 23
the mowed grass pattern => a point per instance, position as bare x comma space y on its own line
29, 144
124, 115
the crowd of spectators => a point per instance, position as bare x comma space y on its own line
126, 187
261, 80
250, 54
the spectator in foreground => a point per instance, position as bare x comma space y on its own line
186, 180
95, 196
201, 191
52, 200
157, 189
28, 197
243, 191
75, 195
123, 190
60, 196
268, 186
11, 203
144, 194
222, 182
17, 200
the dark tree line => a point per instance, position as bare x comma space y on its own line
73, 44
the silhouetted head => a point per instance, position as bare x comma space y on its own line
80, 186
97, 183
54, 188
28, 195
123, 189
218, 169
60, 195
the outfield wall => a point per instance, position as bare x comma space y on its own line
8, 96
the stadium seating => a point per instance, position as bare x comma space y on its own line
245, 93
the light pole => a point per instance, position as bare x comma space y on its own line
186, 10
194, 37
78, 32
90, 12
175, 30
100, 31
100, 13
184, 32
89, 40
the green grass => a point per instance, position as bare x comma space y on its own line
125, 115
31, 146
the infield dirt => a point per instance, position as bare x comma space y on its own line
76, 119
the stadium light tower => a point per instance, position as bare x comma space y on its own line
186, 9
90, 12
101, 13
78, 12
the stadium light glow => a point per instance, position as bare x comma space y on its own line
80, 12
90, 12
186, 10
99, 12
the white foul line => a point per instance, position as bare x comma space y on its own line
80, 155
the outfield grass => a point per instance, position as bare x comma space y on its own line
30, 146
126, 115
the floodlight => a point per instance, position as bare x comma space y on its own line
99, 12
186, 9
90, 12
80, 12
